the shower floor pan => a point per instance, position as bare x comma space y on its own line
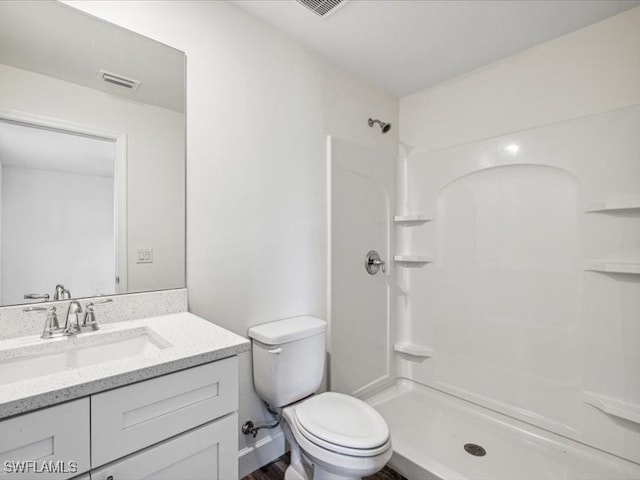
429, 431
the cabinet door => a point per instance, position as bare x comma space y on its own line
209, 452
52, 443
131, 418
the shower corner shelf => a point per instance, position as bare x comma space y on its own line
613, 267
411, 219
413, 259
613, 206
614, 407
416, 351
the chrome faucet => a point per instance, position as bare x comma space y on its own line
72, 323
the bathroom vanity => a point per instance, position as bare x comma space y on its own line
164, 407
152, 393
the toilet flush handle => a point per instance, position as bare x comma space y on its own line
275, 351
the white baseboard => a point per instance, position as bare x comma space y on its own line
265, 450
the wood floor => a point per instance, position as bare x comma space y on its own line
275, 471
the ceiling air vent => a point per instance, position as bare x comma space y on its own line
321, 7
118, 80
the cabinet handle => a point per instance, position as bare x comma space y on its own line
274, 351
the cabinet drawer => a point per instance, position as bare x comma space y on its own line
130, 418
205, 453
54, 440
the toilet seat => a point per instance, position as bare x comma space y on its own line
334, 460
342, 424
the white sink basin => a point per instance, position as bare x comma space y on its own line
37, 358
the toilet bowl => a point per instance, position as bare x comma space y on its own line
339, 438
332, 436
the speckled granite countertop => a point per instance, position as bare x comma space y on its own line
183, 340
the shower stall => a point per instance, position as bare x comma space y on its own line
502, 338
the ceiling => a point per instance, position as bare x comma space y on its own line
32, 147
403, 46
61, 42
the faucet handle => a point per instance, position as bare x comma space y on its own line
89, 320
38, 309
100, 302
35, 296
51, 325
90, 316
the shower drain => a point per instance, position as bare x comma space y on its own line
475, 449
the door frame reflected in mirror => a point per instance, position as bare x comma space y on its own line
120, 181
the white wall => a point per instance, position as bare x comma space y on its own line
259, 108
56, 228
515, 320
155, 167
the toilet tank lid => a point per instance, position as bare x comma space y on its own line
287, 330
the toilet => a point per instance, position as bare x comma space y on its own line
332, 436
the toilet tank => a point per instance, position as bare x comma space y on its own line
288, 358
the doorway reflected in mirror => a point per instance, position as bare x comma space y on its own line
57, 214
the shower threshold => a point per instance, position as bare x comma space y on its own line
438, 436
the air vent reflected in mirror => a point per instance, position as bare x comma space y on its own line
118, 80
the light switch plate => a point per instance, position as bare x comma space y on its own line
144, 255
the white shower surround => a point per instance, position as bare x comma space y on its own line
518, 317
518, 227
360, 183
496, 334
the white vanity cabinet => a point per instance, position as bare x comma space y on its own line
131, 418
178, 426
204, 453
52, 443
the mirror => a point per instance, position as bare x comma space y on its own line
92, 157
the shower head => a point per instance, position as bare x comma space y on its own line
385, 127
